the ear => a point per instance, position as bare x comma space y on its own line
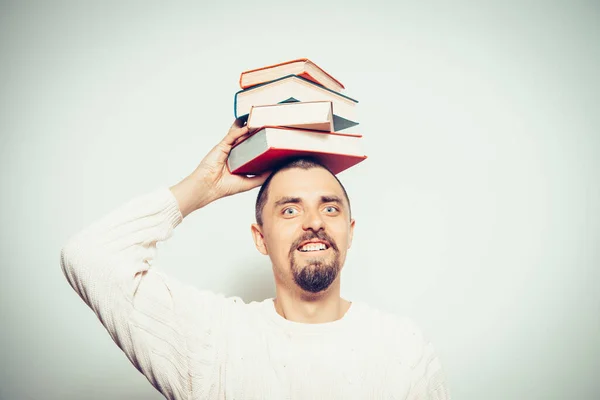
352, 222
259, 239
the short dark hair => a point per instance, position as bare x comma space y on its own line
299, 162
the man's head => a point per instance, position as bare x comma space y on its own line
304, 224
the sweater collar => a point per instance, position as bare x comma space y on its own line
268, 307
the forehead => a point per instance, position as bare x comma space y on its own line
308, 184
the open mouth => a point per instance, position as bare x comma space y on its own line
312, 246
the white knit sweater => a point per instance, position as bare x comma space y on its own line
193, 344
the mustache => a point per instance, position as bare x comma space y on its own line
313, 235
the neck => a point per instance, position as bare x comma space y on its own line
311, 308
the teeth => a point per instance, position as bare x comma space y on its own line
313, 247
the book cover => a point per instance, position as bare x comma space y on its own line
301, 67
268, 147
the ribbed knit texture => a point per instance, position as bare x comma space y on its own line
193, 344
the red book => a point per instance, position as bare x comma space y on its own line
302, 67
269, 146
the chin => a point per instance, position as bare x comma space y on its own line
315, 276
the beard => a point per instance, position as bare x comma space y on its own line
316, 274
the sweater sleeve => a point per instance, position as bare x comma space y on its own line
155, 320
428, 380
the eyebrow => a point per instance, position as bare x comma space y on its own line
298, 200
288, 200
331, 199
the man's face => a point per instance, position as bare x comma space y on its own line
306, 228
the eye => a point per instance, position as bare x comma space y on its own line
331, 209
289, 211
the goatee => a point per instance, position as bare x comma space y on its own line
316, 275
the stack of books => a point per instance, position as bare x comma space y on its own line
294, 109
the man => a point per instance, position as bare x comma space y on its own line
306, 343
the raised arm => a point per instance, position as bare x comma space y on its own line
153, 318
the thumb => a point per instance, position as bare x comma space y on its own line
251, 183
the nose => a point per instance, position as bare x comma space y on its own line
313, 220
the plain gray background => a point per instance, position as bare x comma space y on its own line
478, 210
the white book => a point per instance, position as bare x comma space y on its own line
295, 88
314, 115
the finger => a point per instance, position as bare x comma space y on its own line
251, 183
241, 138
240, 121
218, 155
220, 152
234, 133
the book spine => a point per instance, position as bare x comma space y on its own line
235, 105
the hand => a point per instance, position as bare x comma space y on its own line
212, 180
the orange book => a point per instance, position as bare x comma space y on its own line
302, 67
